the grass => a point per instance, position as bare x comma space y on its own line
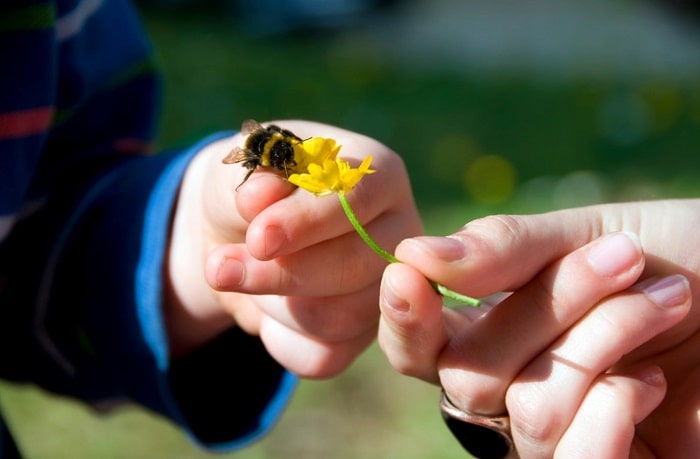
368, 412
568, 143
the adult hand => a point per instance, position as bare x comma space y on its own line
582, 352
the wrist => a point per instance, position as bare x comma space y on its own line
192, 314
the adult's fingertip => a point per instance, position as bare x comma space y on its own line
390, 298
655, 381
667, 292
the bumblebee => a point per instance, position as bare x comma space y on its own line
269, 146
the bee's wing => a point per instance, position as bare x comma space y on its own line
249, 126
234, 156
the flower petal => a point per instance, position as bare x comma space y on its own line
321, 172
315, 150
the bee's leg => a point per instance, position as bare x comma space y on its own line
246, 177
291, 163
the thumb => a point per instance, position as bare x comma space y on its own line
503, 252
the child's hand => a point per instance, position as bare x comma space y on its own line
281, 262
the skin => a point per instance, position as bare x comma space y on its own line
278, 261
595, 353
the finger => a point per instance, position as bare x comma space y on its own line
309, 273
224, 186
307, 357
480, 363
673, 427
502, 253
264, 188
545, 396
604, 425
332, 267
331, 319
411, 328
302, 219
497, 253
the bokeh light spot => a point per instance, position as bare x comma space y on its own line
665, 103
450, 155
490, 179
579, 188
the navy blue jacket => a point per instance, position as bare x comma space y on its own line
85, 208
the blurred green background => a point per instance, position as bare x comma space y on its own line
494, 106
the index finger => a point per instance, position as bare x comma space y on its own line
501, 252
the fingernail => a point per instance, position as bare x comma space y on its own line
275, 239
231, 273
615, 253
446, 248
667, 292
653, 376
391, 299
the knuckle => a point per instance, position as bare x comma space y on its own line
531, 413
500, 227
400, 361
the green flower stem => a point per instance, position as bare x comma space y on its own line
441, 289
361, 231
458, 297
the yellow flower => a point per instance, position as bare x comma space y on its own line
315, 150
332, 176
321, 172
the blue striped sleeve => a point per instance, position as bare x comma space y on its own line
96, 331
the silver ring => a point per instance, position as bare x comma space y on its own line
485, 437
